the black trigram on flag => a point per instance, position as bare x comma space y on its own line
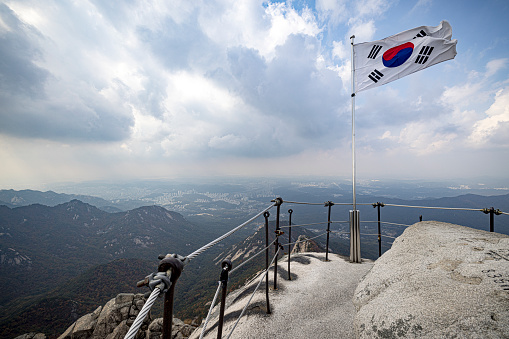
420, 34
424, 55
374, 51
375, 75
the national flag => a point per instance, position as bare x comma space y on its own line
380, 62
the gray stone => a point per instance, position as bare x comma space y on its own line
124, 298
438, 281
304, 244
179, 329
83, 327
32, 335
119, 332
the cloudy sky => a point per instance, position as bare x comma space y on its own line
93, 89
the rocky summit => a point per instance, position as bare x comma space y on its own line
438, 280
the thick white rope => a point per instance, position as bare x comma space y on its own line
437, 208
143, 313
212, 243
210, 311
248, 260
385, 223
301, 225
252, 295
296, 242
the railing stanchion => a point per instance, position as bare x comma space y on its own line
492, 211
492, 219
266, 216
290, 211
173, 267
227, 266
378, 205
278, 202
329, 204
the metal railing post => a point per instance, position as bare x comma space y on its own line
290, 211
278, 202
226, 267
173, 267
329, 204
355, 237
492, 211
266, 216
492, 219
378, 205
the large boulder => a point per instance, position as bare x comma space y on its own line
438, 281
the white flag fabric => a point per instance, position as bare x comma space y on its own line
379, 62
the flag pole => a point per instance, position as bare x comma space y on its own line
353, 127
355, 237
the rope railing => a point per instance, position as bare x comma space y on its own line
162, 282
143, 313
265, 273
438, 208
226, 235
254, 256
307, 239
304, 203
210, 310
165, 280
387, 223
304, 225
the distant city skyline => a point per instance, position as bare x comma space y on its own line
91, 90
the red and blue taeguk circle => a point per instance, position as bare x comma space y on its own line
396, 56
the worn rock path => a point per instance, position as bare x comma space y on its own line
316, 303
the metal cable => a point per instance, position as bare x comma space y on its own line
252, 295
143, 313
387, 236
438, 208
212, 243
248, 260
341, 232
296, 242
210, 311
504, 213
301, 225
386, 223
304, 203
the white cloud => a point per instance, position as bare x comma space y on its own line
334, 10
339, 50
495, 127
371, 7
494, 66
363, 30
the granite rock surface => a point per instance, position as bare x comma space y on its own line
438, 280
